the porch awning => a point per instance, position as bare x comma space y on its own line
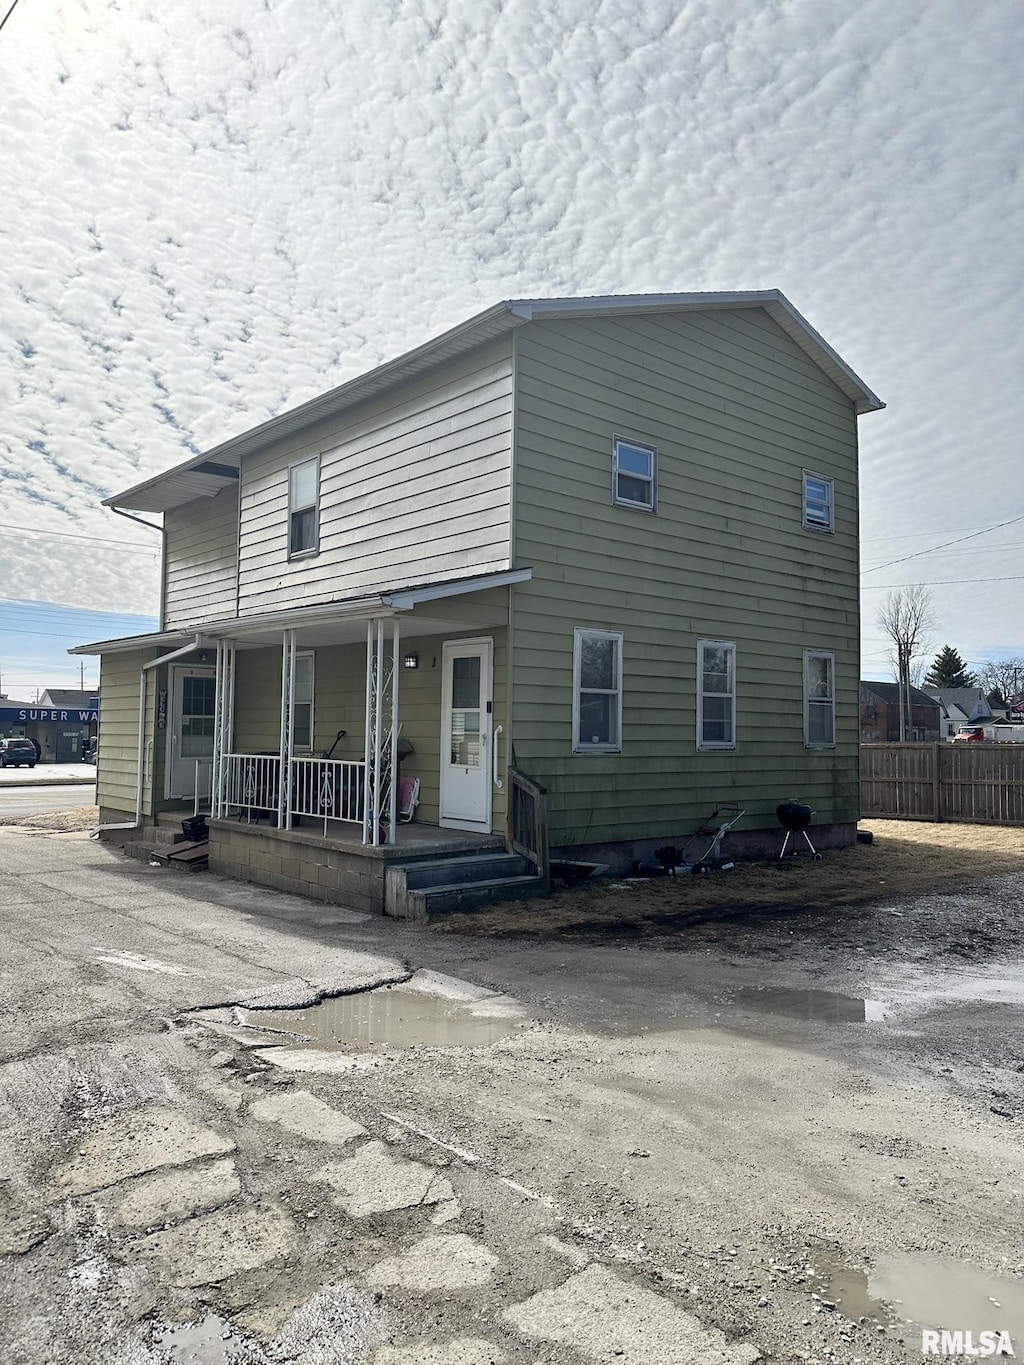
421, 607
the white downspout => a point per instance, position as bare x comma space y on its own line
153, 663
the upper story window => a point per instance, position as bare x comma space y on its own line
597, 691
634, 475
819, 699
304, 507
818, 503
716, 694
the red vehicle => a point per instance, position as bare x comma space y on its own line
975, 736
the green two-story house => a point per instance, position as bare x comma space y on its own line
603, 547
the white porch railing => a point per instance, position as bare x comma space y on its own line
328, 789
252, 783
321, 788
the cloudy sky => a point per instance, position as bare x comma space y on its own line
204, 221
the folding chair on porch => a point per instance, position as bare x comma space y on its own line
408, 797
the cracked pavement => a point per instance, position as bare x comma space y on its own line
640, 1170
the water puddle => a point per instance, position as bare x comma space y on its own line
827, 1006
394, 1016
200, 1343
928, 1291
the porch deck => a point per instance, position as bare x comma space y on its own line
338, 868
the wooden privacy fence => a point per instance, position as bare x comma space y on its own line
977, 783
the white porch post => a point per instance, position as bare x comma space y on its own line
223, 726
287, 727
381, 747
368, 740
218, 733
393, 756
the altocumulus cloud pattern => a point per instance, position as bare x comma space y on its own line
210, 219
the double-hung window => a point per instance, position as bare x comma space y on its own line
634, 475
597, 691
716, 694
302, 705
819, 699
304, 507
818, 503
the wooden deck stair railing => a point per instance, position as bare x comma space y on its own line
528, 822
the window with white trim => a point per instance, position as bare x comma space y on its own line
302, 704
304, 507
716, 694
818, 502
597, 691
634, 475
819, 699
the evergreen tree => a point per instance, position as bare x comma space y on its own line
949, 670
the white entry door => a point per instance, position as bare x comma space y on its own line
190, 730
466, 735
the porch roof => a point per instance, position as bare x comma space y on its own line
331, 622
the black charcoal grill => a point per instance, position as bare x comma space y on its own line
794, 817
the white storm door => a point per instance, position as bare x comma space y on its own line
466, 735
190, 719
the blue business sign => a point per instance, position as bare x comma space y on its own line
18, 715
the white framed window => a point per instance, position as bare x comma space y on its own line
634, 474
596, 691
302, 704
304, 507
819, 699
819, 502
716, 694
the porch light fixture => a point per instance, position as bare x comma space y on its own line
412, 661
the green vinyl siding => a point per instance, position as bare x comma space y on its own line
414, 488
737, 412
117, 748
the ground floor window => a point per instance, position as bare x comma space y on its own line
302, 710
819, 699
597, 691
716, 694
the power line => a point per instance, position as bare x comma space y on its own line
944, 582
96, 540
917, 553
7, 15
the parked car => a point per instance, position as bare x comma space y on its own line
15, 752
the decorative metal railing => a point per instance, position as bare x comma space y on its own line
320, 788
328, 789
252, 784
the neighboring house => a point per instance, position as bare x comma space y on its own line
961, 707
880, 714
62, 721
606, 543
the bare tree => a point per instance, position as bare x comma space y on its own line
906, 617
1003, 676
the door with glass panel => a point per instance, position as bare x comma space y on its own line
466, 735
190, 730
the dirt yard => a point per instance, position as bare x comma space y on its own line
57, 821
905, 858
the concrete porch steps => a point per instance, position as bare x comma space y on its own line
420, 891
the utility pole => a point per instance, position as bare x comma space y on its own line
81, 675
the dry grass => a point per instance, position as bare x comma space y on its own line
57, 821
905, 858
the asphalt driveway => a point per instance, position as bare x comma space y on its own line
791, 1136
